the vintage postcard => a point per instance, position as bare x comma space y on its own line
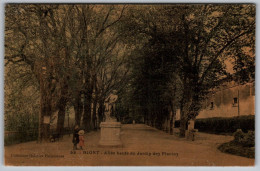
129, 85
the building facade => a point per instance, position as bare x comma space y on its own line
229, 100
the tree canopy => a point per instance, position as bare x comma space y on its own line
159, 58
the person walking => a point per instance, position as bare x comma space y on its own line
75, 139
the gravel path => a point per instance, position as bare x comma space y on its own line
142, 146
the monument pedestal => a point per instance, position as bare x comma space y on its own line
191, 132
110, 134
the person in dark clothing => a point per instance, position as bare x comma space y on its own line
75, 139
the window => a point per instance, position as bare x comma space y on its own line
235, 101
211, 105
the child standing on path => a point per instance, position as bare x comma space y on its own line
81, 139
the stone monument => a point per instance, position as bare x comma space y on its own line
110, 129
191, 132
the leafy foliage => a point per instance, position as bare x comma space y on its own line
225, 125
242, 145
159, 58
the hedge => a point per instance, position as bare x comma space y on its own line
223, 125
20, 137
237, 149
242, 145
226, 125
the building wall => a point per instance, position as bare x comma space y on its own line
229, 100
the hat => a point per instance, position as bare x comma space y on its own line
81, 132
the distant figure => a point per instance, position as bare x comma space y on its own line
81, 139
75, 139
55, 137
110, 106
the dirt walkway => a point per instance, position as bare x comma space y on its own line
143, 146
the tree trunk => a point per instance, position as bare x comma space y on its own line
94, 115
88, 91
61, 118
172, 119
145, 116
100, 111
62, 108
183, 126
171, 124
45, 119
184, 107
46, 110
44, 129
87, 112
87, 122
78, 108
183, 119
61, 115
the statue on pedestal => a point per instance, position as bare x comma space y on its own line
110, 106
110, 129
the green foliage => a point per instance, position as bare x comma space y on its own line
21, 128
226, 125
245, 139
164, 56
186, 46
238, 135
153, 78
21, 122
249, 139
237, 149
21, 105
70, 49
242, 145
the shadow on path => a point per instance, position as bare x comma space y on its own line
142, 146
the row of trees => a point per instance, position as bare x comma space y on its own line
74, 54
185, 55
159, 58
